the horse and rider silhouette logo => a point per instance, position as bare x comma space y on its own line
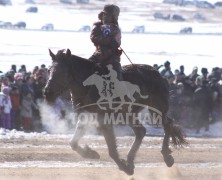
110, 87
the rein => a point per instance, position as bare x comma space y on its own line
126, 56
138, 70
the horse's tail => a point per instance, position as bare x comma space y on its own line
176, 133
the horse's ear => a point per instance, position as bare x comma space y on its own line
68, 53
52, 55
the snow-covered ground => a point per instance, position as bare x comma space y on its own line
20, 144
31, 48
66, 133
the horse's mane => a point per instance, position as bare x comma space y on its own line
75, 60
82, 61
133, 67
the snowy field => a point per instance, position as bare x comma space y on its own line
161, 41
31, 48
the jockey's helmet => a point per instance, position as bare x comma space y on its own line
112, 10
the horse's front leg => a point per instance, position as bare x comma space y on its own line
85, 152
139, 131
112, 148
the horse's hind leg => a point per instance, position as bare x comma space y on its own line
178, 139
112, 148
166, 152
139, 131
85, 152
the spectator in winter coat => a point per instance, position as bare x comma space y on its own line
15, 113
188, 90
182, 108
204, 72
41, 73
6, 107
182, 74
215, 94
178, 77
22, 70
173, 96
220, 98
157, 67
35, 69
202, 105
215, 74
5, 83
38, 86
26, 111
194, 74
14, 68
27, 86
166, 72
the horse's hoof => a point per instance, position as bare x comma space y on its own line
74, 146
131, 165
128, 169
169, 160
89, 153
129, 172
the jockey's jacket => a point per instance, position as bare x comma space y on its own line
107, 40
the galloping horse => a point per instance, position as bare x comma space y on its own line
68, 72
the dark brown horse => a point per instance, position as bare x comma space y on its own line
68, 72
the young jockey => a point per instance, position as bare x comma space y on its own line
106, 36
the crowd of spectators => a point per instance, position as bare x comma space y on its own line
195, 99
21, 91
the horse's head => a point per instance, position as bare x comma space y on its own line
59, 78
